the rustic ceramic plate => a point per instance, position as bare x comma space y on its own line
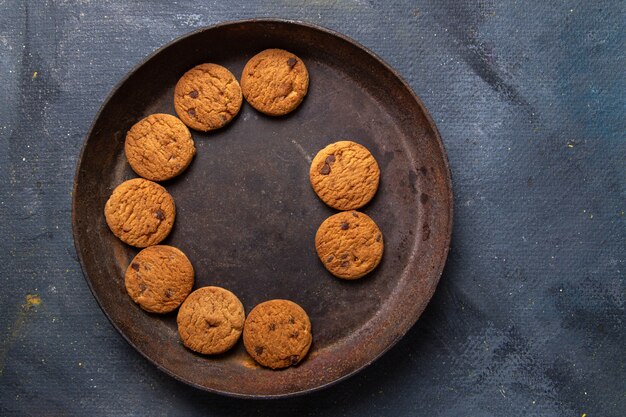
247, 215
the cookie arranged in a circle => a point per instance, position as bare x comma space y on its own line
277, 333
349, 244
344, 175
159, 278
140, 212
207, 97
210, 320
275, 82
159, 147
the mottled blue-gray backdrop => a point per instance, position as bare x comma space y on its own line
528, 319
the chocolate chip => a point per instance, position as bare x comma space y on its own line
291, 62
135, 266
330, 159
378, 238
191, 112
142, 287
169, 293
258, 350
354, 214
325, 169
356, 258
285, 89
345, 264
344, 256
292, 320
294, 334
272, 326
294, 359
159, 214
330, 258
193, 94
345, 226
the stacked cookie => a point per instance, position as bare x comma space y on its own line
345, 176
141, 213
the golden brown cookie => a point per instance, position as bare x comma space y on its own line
159, 147
159, 278
349, 244
207, 97
277, 333
275, 82
210, 320
344, 175
140, 212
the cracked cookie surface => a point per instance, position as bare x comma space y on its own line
275, 82
277, 333
159, 147
344, 175
159, 278
210, 320
207, 97
139, 212
349, 244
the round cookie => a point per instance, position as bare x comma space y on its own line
207, 97
159, 278
349, 244
210, 320
275, 82
140, 212
344, 175
159, 147
277, 333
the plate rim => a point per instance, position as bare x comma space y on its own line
309, 25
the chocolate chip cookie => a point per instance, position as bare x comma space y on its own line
210, 320
207, 97
275, 82
344, 175
140, 212
159, 278
349, 244
277, 333
159, 147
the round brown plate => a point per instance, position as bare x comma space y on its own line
247, 216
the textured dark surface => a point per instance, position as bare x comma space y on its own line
528, 318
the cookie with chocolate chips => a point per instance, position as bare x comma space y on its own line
349, 244
139, 212
207, 97
344, 175
275, 82
210, 320
159, 278
159, 147
277, 333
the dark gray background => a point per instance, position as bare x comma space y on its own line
529, 316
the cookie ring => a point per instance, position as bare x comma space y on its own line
207, 97
277, 333
140, 213
210, 321
275, 82
349, 244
